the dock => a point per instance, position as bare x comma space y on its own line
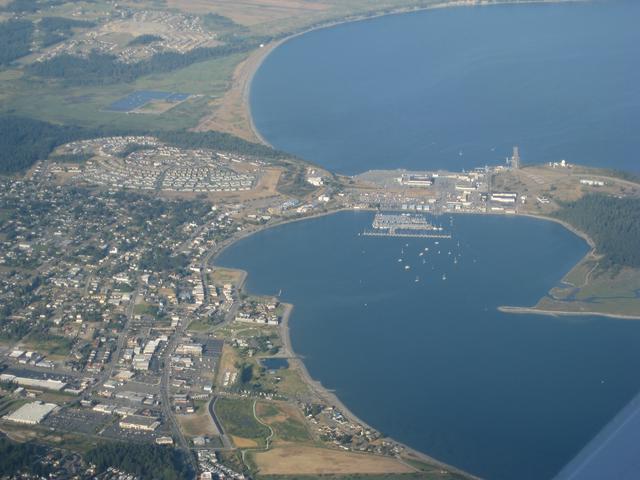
404, 225
414, 234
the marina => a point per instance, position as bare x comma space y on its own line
404, 225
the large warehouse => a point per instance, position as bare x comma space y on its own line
31, 413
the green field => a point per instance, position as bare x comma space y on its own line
237, 419
285, 425
84, 105
607, 291
49, 344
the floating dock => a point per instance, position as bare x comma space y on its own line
404, 225
415, 234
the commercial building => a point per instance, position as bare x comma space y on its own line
416, 180
48, 384
31, 413
189, 349
139, 422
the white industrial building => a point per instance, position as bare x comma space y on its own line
31, 413
48, 384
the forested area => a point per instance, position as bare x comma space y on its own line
17, 36
15, 40
57, 29
24, 141
143, 460
613, 224
30, 6
20, 457
145, 39
103, 69
219, 141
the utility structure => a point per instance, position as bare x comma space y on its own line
515, 158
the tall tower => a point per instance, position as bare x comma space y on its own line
515, 158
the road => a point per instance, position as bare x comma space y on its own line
226, 442
164, 396
122, 337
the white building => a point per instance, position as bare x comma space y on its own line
31, 413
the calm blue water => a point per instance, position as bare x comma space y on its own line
456, 88
432, 363
274, 363
140, 98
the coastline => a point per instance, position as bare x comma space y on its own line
564, 313
296, 362
246, 70
330, 396
250, 68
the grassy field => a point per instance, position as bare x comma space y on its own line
145, 309
198, 423
70, 441
285, 420
308, 460
85, 105
436, 475
221, 276
9, 405
237, 420
607, 292
51, 344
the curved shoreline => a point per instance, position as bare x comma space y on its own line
263, 53
297, 362
246, 84
329, 396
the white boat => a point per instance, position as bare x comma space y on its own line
407, 267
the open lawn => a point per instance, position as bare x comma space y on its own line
286, 420
307, 460
237, 420
221, 276
198, 423
49, 344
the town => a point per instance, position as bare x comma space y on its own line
144, 163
